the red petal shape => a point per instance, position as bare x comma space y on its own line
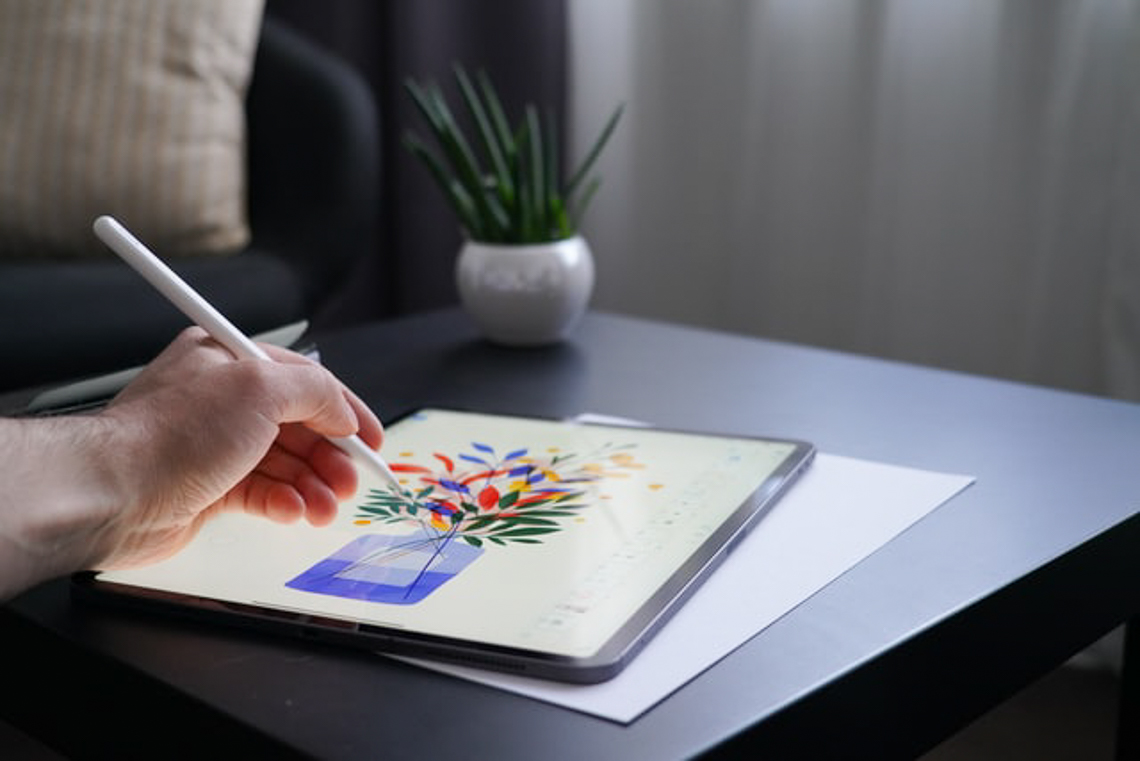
488, 498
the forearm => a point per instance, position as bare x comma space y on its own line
58, 496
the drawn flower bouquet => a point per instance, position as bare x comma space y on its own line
477, 497
481, 497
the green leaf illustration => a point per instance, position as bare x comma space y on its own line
529, 521
537, 531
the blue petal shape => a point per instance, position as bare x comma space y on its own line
454, 486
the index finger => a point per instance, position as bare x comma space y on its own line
369, 428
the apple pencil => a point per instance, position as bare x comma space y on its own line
201, 312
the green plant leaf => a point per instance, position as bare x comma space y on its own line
580, 206
425, 104
490, 138
458, 199
454, 144
558, 221
560, 218
485, 218
521, 198
594, 152
498, 117
537, 165
468, 211
524, 203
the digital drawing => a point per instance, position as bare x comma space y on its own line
400, 570
457, 506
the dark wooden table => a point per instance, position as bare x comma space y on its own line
1036, 560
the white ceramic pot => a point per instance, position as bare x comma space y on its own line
525, 295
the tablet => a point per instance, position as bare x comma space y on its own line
546, 548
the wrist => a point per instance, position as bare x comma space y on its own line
62, 496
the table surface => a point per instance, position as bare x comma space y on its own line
967, 606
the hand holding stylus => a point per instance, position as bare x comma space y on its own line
196, 434
202, 313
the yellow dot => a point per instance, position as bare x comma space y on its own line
363, 522
655, 487
553, 449
405, 454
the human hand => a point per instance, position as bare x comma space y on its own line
199, 432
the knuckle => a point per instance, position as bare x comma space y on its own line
192, 336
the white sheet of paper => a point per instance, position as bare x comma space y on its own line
841, 511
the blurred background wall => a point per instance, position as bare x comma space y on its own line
953, 183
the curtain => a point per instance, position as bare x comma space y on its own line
1122, 305
951, 183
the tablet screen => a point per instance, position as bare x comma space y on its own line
522, 533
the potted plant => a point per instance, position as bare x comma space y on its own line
524, 272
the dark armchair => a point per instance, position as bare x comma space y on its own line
313, 153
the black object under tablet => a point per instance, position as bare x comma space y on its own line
547, 548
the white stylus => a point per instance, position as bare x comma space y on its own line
201, 312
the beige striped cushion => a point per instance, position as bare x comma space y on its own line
127, 107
